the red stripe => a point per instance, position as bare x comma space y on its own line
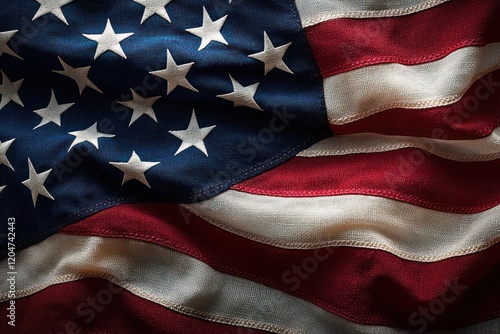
409, 175
342, 45
473, 117
66, 308
361, 285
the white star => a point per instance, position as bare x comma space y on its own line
5, 36
90, 135
108, 40
152, 7
141, 106
35, 183
9, 90
53, 111
272, 57
209, 30
2, 188
79, 75
51, 6
134, 169
3, 153
242, 95
175, 74
192, 136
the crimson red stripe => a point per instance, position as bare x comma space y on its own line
409, 175
82, 307
472, 117
342, 45
361, 285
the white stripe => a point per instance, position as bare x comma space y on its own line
169, 278
406, 230
317, 11
179, 282
365, 91
484, 149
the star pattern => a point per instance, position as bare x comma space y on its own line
53, 111
53, 7
5, 37
193, 136
79, 74
272, 56
152, 7
242, 95
174, 74
35, 183
109, 41
3, 153
90, 135
141, 106
9, 91
134, 169
209, 30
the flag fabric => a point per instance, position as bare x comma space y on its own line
250, 166
91, 119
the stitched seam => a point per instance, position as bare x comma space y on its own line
416, 145
412, 199
413, 105
153, 298
175, 246
349, 66
374, 14
252, 169
261, 279
189, 311
333, 243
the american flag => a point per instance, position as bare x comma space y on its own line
250, 166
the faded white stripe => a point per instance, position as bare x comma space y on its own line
172, 279
484, 149
181, 283
317, 11
365, 91
403, 229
